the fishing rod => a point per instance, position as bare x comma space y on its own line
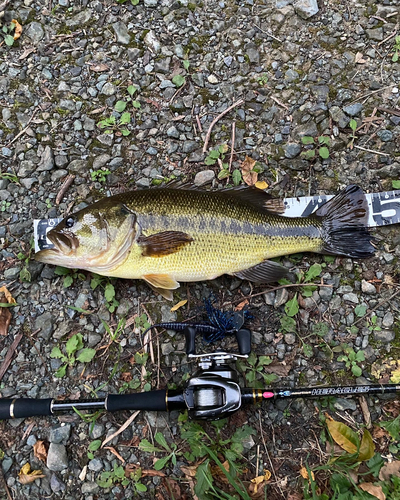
213, 392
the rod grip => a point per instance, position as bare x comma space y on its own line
24, 407
147, 401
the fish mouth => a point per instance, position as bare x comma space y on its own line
64, 242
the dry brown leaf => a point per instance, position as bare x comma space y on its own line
278, 368
172, 487
18, 29
9, 298
374, 490
190, 470
242, 304
359, 59
216, 471
249, 176
40, 450
5, 313
98, 68
304, 473
388, 470
295, 496
261, 185
178, 305
27, 476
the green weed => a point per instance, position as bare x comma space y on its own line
396, 48
119, 125
353, 137
100, 175
218, 156
352, 360
70, 275
323, 151
253, 369
73, 345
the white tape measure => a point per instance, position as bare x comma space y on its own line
384, 209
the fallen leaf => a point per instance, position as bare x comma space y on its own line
98, 68
27, 476
190, 470
249, 176
261, 185
216, 471
178, 305
242, 304
18, 29
281, 369
388, 470
374, 490
40, 450
359, 59
343, 436
172, 487
367, 448
304, 473
26, 53
5, 314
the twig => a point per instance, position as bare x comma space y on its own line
24, 129
395, 112
394, 33
376, 307
199, 124
371, 93
279, 102
372, 151
9, 355
365, 411
232, 145
268, 34
269, 458
121, 429
234, 105
68, 181
278, 288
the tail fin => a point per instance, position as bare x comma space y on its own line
344, 221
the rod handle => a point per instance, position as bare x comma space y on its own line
24, 407
147, 401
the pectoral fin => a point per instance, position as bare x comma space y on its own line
165, 243
265, 272
162, 284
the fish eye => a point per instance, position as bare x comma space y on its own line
69, 222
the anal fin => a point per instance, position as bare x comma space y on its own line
265, 272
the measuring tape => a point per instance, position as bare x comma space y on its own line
384, 209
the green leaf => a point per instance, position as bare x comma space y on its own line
74, 343
288, 324
360, 356
223, 148
139, 486
186, 64
308, 350
125, 118
61, 371
309, 154
323, 152
178, 80
159, 437
375, 464
214, 153
323, 139
136, 104
109, 292
131, 90
9, 40
292, 306
25, 275
393, 427
145, 445
56, 353
236, 177
86, 355
223, 174
360, 310
68, 280
396, 184
367, 447
264, 360
94, 445
210, 161
204, 479
395, 56
356, 370
353, 124
161, 462
306, 139
120, 106
343, 436
125, 132
314, 271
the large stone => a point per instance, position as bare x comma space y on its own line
306, 8
57, 459
121, 32
204, 177
47, 160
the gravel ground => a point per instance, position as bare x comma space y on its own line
301, 69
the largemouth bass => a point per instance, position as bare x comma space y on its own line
165, 236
